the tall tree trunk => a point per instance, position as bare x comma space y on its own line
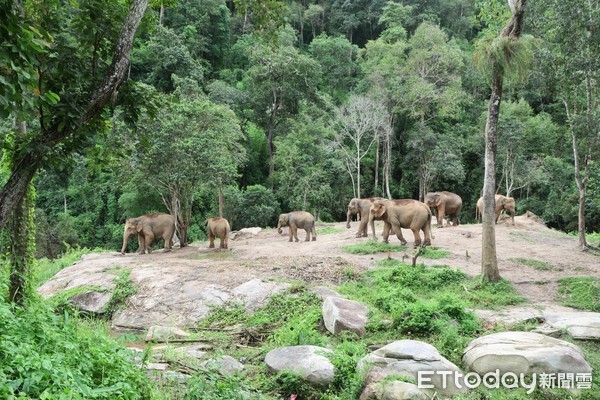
489, 262
375, 187
220, 201
581, 178
25, 168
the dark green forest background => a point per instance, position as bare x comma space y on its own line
273, 119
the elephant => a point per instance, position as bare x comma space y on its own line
502, 203
298, 219
404, 213
218, 227
360, 207
149, 227
444, 203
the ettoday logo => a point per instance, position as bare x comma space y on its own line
507, 380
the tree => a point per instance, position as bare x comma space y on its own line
504, 55
194, 142
339, 68
431, 87
571, 34
61, 118
357, 127
278, 80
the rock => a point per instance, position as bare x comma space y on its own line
168, 298
227, 365
157, 366
164, 333
408, 357
324, 292
509, 316
307, 361
523, 352
344, 315
254, 293
380, 389
92, 302
195, 351
244, 233
580, 325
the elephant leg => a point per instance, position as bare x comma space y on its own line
386, 232
291, 233
222, 241
417, 236
225, 241
398, 231
149, 238
168, 243
362, 227
295, 232
427, 235
307, 235
440, 213
142, 244
314, 233
211, 237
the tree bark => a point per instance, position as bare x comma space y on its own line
489, 261
28, 164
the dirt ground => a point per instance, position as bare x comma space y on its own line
270, 256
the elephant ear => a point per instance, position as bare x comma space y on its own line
138, 226
378, 209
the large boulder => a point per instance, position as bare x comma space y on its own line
406, 358
309, 362
94, 302
244, 233
255, 293
580, 325
523, 352
344, 315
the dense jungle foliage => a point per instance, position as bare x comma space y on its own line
345, 98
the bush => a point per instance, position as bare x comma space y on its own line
48, 356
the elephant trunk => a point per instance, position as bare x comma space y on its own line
348, 218
279, 227
125, 241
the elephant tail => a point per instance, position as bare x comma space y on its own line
429, 222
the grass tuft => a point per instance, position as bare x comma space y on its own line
580, 292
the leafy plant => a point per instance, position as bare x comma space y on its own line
124, 288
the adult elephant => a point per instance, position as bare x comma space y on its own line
218, 227
444, 203
405, 213
149, 227
298, 220
501, 203
360, 207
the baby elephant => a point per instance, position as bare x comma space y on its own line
298, 219
218, 227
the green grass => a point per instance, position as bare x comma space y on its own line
44, 269
326, 230
580, 292
372, 247
539, 265
433, 253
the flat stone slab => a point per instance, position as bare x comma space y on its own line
342, 315
227, 365
92, 302
524, 352
580, 325
408, 357
164, 333
307, 361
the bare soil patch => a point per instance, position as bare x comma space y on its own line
270, 256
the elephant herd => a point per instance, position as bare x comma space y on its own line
415, 215
395, 214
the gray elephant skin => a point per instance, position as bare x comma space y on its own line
362, 208
444, 204
150, 227
404, 213
218, 228
298, 220
502, 203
